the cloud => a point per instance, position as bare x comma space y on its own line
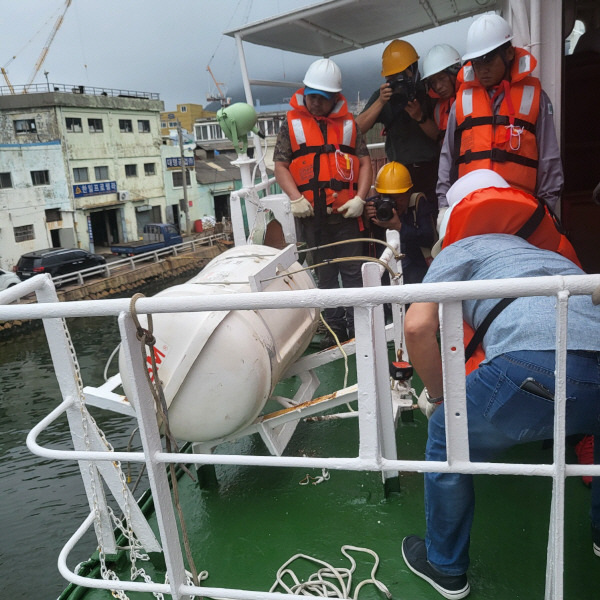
164, 47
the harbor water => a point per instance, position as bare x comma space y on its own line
42, 502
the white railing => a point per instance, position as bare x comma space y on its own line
373, 452
110, 268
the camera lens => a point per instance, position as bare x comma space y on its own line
384, 209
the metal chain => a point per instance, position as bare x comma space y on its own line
147, 339
127, 530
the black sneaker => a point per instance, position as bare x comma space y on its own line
414, 553
596, 540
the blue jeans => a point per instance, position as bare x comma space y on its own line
500, 416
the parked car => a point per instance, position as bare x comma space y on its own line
7, 279
56, 261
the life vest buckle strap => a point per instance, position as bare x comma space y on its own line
494, 120
496, 155
335, 185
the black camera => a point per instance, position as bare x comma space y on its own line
384, 207
404, 91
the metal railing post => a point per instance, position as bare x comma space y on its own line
143, 404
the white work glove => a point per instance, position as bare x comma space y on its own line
302, 208
353, 208
427, 408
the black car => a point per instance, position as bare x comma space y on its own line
56, 261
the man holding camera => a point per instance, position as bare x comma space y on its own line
395, 207
403, 107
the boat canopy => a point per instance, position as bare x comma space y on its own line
337, 26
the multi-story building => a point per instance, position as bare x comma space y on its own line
78, 167
185, 115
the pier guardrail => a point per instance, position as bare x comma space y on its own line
110, 268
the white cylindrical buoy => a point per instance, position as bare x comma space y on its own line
218, 368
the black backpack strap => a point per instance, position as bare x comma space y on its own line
485, 324
533, 222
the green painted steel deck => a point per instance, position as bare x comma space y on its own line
255, 518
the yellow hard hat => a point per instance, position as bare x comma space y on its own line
397, 56
393, 178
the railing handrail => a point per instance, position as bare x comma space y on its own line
138, 258
364, 297
49, 88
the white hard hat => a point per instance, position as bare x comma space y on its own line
474, 180
324, 75
438, 58
460, 189
485, 34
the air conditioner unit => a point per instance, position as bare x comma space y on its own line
123, 196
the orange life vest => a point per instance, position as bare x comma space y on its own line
323, 168
504, 142
504, 210
441, 110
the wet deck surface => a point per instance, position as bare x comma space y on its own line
256, 518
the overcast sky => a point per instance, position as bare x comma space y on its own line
164, 46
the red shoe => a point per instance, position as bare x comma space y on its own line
584, 450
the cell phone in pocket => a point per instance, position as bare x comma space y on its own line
536, 388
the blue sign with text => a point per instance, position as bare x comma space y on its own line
176, 162
94, 189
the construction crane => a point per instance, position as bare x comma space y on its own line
44, 52
8, 83
224, 100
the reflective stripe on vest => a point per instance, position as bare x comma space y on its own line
324, 168
504, 142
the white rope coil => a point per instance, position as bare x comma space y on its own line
328, 582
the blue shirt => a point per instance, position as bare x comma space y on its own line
527, 323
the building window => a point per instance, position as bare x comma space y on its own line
163, 124
5, 180
184, 109
144, 126
24, 126
178, 179
209, 132
80, 174
52, 215
95, 125
101, 173
23, 233
149, 169
173, 123
40, 178
125, 125
130, 170
74, 125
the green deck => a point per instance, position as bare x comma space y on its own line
245, 528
